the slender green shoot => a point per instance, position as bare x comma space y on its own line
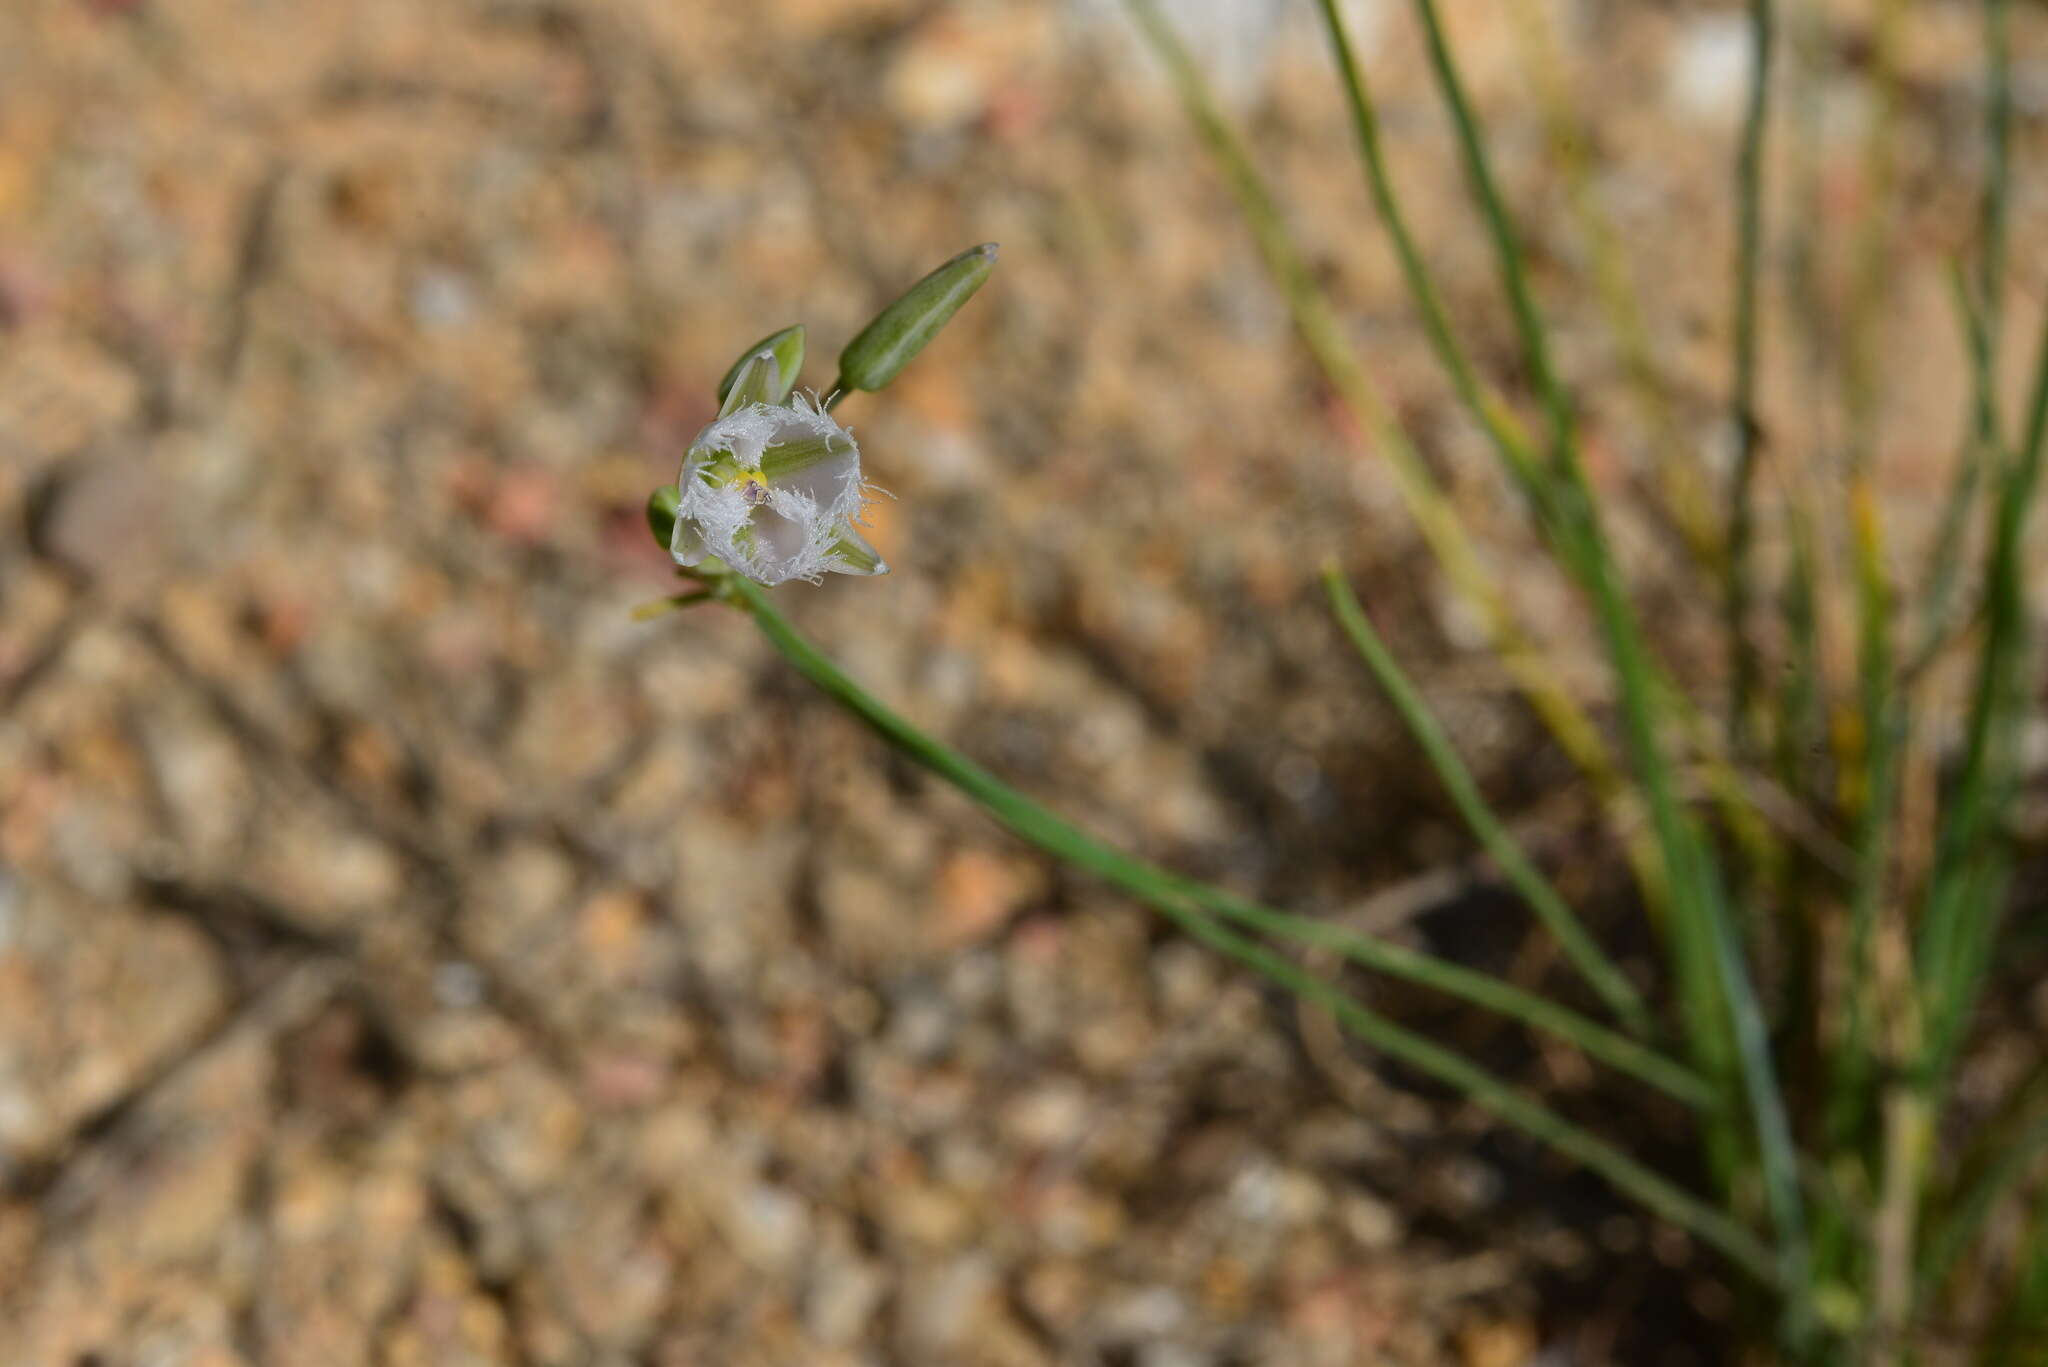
1685, 495
1435, 516
1511, 446
1500, 228
1487, 409
1723, 1014
1972, 863
1037, 825
1724, 1023
1601, 973
1480, 989
1616, 1050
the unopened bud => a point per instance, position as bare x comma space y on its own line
901, 330
787, 347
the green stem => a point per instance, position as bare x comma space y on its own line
1599, 971
1707, 932
1972, 863
1616, 1050
1683, 495
1698, 894
1063, 840
1723, 1020
1507, 249
1182, 902
1486, 409
1435, 515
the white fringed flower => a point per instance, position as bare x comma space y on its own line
773, 488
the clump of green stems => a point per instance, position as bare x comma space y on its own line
1876, 1221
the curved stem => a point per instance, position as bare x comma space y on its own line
1507, 249
1183, 902
1599, 971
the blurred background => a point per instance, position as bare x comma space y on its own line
408, 958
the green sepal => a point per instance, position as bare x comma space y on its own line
856, 555
760, 378
662, 506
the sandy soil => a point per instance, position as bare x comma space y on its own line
407, 958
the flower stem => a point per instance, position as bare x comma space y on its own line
1188, 906
1599, 971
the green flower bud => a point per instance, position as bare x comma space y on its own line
787, 346
759, 378
901, 330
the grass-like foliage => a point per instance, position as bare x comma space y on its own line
1875, 1217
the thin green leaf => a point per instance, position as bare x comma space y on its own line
1972, 864
1435, 515
1172, 898
1485, 408
1600, 972
1500, 227
1480, 989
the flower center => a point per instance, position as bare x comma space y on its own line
753, 487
